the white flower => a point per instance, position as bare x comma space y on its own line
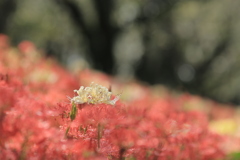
94, 94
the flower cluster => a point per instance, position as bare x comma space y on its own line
93, 95
37, 121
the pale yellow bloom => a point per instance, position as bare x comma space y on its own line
94, 94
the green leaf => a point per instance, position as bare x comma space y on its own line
73, 112
234, 156
66, 133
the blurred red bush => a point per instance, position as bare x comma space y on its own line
35, 121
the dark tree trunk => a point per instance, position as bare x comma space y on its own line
7, 8
101, 38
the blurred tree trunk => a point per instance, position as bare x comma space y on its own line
100, 39
161, 68
7, 8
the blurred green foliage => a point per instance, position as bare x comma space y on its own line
234, 156
188, 45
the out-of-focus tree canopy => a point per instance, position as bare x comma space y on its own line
190, 45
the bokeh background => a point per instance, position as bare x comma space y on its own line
187, 45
